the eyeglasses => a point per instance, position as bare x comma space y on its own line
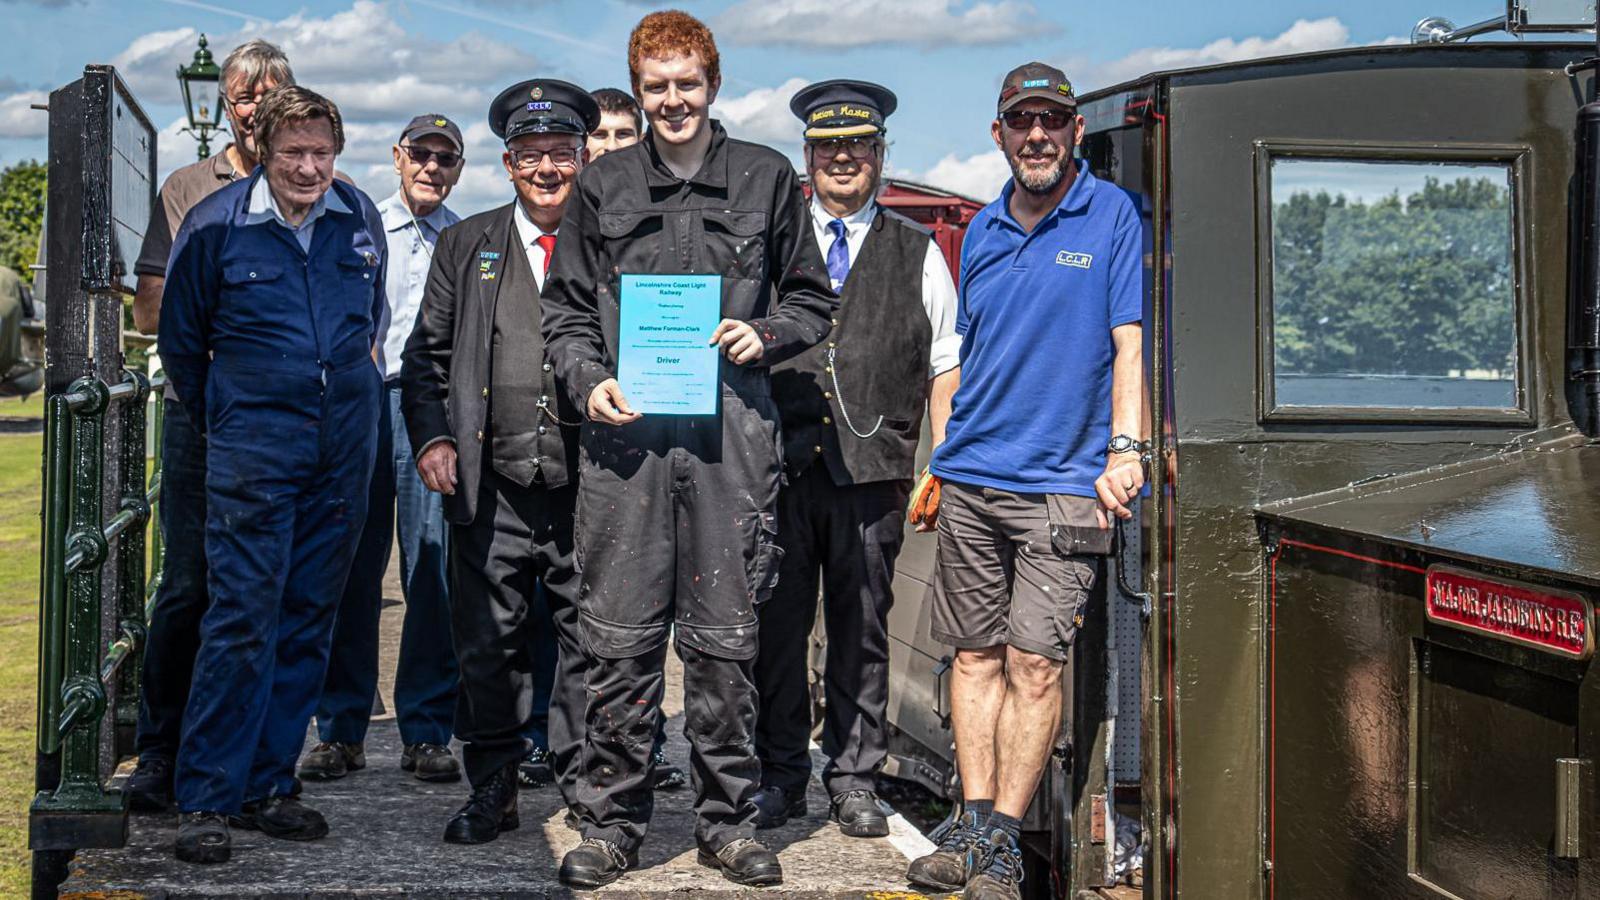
250, 100
1023, 119
420, 155
858, 148
530, 158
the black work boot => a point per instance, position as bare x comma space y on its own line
774, 806
535, 770
949, 866
859, 814
430, 762
998, 874
203, 838
491, 809
594, 863
668, 777
743, 861
149, 788
327, 760
283, 817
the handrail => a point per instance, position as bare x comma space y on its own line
73, 683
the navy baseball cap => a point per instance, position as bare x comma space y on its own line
433, 123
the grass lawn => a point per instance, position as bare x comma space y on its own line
19, 644
19, 408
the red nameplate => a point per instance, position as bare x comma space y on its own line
1552, 620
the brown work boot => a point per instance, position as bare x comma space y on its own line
430, 762
328, 760
948, 867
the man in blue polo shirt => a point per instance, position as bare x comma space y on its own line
1045, 442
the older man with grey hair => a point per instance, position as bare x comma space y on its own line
248, 73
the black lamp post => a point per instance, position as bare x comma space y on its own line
202, 96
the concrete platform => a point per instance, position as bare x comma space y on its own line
385, 842
386, 826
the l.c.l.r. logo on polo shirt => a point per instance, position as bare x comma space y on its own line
1076, 260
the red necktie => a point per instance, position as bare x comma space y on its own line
547, 243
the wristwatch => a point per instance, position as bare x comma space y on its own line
1124, 444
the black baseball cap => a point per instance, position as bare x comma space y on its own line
543, 106
843, 108
432, 123
1036, 79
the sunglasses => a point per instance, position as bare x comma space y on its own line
448, 159
1023, 119
530, 158
858, 148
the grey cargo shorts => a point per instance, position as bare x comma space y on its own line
1014, 569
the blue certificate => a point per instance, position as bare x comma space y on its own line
667, 363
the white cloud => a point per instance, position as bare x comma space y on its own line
762, 115
18, 118
979, 176
1304, 36
927, 23
340, 55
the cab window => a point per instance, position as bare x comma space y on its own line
1392, 287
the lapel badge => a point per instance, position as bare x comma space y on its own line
370, 257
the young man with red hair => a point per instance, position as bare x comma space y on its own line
676, 513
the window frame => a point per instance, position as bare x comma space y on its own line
1517, 160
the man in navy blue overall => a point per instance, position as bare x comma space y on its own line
267, 324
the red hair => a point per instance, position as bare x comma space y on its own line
672, 32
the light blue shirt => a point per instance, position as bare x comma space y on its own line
411, 242
263, 207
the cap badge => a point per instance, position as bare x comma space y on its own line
440, 123
1035, 82
1065, 88
539, 105
827, 112
537, 93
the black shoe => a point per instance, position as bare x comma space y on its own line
743, 861
774, 806
595, 863
203, 838
283, 817
535, 769
668, 776
950, 866
998, 874
430, 762
859, 814
328, 760
491, 809
149, 788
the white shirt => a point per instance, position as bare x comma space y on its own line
529, 233
264, 208
938, 288
411, 241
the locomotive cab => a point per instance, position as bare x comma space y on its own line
1357, 347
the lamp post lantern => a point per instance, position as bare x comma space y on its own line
202, 96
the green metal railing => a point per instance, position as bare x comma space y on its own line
82, 675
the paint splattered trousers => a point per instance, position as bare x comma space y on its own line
676, 528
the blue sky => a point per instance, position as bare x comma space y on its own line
386, 61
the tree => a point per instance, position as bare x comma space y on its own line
21, 215
1413, 285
